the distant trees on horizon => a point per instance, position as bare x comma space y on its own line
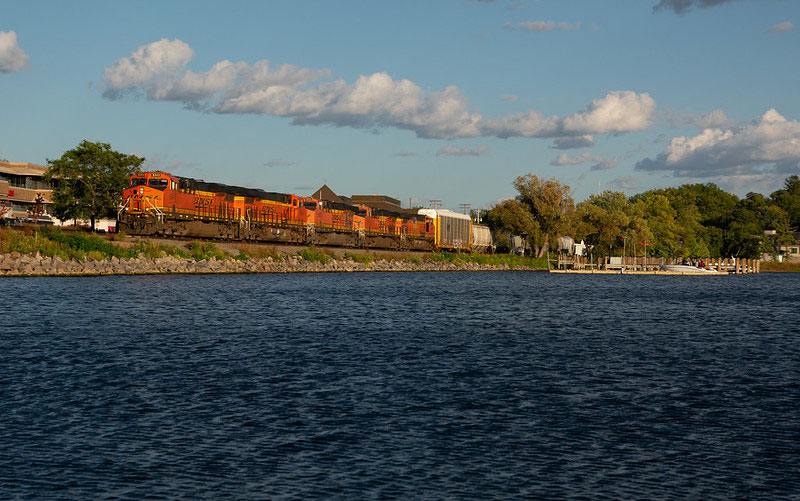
692, 220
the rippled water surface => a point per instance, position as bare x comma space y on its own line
413, 385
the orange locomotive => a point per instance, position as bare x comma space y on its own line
158, 203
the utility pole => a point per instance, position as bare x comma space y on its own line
464, 207
435, 204
624, 241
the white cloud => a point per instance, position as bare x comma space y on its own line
565, 159
572, 142
767, 148
527, 124
148, 68
541, 26
452, 150
509, 97
194, 87
604, 163
158, 71
624, 182
12, 58
600, 163
564, 26
619, 111
781, 27
687, 118
714, 119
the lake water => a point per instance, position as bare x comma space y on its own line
467, 385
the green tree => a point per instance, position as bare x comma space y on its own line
90, 180
788, 199
609, 220
700, 216
551, 206
662, 221
512, 217
745, 236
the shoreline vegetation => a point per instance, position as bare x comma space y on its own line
47, 251
774, 266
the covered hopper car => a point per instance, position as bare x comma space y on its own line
160, 204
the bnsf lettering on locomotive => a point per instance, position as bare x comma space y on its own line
202, 201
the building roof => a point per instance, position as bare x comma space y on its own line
22, 169
368, 199
327, 195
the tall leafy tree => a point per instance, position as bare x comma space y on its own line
788, 199
662, 221
609, 219
90, 180
510, 216
551, 206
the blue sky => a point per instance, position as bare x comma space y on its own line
421, 100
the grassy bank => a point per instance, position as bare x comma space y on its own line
512, 260
80, 245
77, 244
775, 266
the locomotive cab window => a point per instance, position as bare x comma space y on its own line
138, 181
310, 205
159, 184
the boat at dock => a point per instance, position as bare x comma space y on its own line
684, 268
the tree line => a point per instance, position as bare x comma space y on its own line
692, 221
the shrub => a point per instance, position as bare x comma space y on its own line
314, 255
360, 258
206, 250
257, 251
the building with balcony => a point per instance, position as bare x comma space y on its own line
20, 183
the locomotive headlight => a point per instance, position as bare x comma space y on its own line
141, 191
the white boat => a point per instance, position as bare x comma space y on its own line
685, 268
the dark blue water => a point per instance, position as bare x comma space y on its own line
402, 385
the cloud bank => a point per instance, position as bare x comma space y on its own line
157, 72
617, 112
12, 58
765, 148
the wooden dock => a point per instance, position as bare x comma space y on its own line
651, 266
643, 272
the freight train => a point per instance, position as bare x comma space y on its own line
161, 204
